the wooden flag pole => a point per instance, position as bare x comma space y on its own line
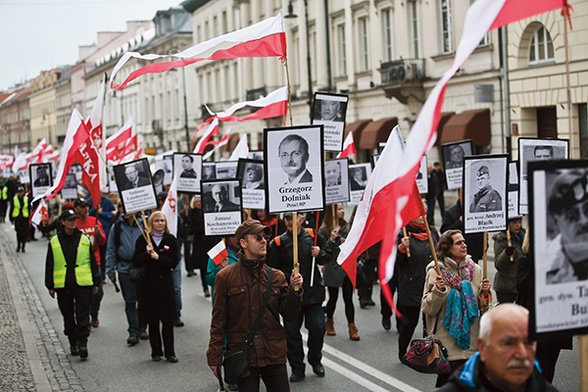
295, 246
509, 242
405, 233
147, 229
486, 298
432, 245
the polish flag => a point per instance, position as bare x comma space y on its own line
384, 207
40, 213
170, 208
348, 147
263, 39
76, 135
212, 130
218, 253
37, 154
241, 150
222, 142
274, 104
116, 145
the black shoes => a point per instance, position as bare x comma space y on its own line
83, 352
296, 377
191, 273
132, 340
365, 302
143, 335
74, 350
386, 323
318, 369
178, 322
156, 358
172, 359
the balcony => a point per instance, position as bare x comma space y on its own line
403, 79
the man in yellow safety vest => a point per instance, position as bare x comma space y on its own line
71, 272
20, 217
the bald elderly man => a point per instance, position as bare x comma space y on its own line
505, 360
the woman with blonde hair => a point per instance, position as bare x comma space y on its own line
158, 253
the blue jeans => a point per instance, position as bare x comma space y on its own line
314, 321
129, 292
177, 278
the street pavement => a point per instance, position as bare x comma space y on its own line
35, 352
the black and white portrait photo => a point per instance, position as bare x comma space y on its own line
226, 169
221, 204
533, 150
330, 110
76, 169
187, 169
421, 179
134, 183
252, 182
70, 187
453, 156
558, 204
208, 171
256, 155
41, 177
358, 177
484, 200
166, 163
294, 168
337, 181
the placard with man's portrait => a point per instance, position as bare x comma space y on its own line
358, 178
484, 195
221, 205
558, 204
166, 164
41, 176
252, 182
330, 111
453, 156
135, 186
70, 187
187, 172
337, 181
294, 168
532, 150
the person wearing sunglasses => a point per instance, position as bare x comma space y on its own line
238, 295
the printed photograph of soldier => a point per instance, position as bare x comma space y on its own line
486, 198
567, 206
187, 163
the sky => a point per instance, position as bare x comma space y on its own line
36, 35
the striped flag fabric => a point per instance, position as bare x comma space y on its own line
218, 253
348, 147
211, 131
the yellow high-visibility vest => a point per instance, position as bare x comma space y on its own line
17, 207
83, 268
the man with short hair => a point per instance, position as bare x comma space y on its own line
333, 173
134, 180
487, 198
221, 198
330, 111
71, 272
188, 170
542, 153
506, 357
42, 177
456, 155
233, 313
293, 153
567, 253
310, 256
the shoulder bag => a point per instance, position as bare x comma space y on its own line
237, 359
428, 355
137, 274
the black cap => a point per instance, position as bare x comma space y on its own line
568, 189
483, 170
68, 215
20, 189
81, 202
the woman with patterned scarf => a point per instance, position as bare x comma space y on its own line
452, 299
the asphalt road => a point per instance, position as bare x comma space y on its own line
370, 364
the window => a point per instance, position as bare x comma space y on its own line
364, 59
414, 35
541, 48
388, 54
446, 26
341, 51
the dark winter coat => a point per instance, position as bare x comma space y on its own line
506, 270
451, 221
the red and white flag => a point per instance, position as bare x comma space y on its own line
211, 131
385, 206
348, 147
76, 135
218, 253
170, 208
222, 142
263, 39
40, 213
274, 104
117, 144
241, 150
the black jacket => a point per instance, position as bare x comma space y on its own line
280, 257
474, 241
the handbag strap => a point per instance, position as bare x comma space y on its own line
266, 296
425, 334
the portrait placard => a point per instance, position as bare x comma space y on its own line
166, 164
358, 177
330, 111
256, 155
226, 169
252, 182
221, 204
337, 181
187, 172
484, 196
513, 189
76, 169
294, 168
23, 176
41, 176
70, 187
135, 186
453, 155
421, 179
208, 171
558, 211
532, 150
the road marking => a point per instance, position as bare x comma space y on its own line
364, 367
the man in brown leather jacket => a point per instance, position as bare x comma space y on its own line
238, 295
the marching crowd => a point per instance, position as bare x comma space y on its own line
88, 245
